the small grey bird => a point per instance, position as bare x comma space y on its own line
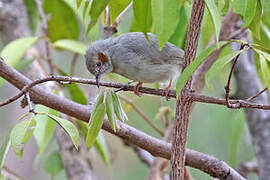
133, 56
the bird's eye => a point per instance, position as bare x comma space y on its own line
98, 64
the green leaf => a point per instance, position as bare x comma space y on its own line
95, 124
178, 38
100, 143
250, 10
97, 7
215, 15
255, 25
62, 23
219, 64
266, 11
32, 12
187, 73
100, 98
79, 2
266, 56
265, 69
45, 127
69, 127
165, 13
86, 9
116, 7
20, 135
71, 45
110, 110
14, 51
4, 150
101, 146
239, 6
120, 113
143, 15
53, 163
23, 64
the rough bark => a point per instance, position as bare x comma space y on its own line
184, 104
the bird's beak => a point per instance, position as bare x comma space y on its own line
97, 80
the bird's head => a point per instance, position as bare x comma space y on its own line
97, 62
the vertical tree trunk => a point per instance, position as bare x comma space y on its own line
184, 104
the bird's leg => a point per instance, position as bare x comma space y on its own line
166, 91
136, 89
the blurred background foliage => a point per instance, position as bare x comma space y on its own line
213, 129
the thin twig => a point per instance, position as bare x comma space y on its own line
235, 104
256, 95
27, 96
10, 174
46, 32
139, 111
227, 87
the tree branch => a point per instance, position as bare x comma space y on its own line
184, 103
235, 104
156, 147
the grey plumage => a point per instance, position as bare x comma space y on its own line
132, 56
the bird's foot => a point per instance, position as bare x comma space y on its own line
167, 90
136, 89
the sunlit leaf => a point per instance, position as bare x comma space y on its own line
100, 98
45, 127
187, 73
95, 124
265, 69
119, 112
101, 146
110, 110
71, 45
143, 15
215, 15
116, 7
69, 127
219, 65
20, 135
53, 163
165, 13
62, 23
5, 144
96, 9
14, 51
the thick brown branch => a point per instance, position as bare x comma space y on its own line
156, 147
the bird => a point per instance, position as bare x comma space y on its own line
135, 57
